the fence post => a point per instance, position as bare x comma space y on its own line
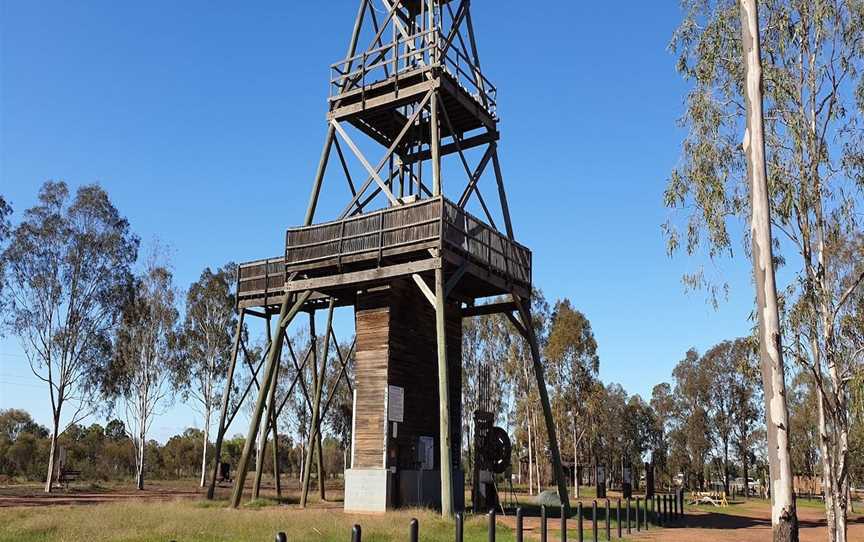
492, 525
543, 523
594, 519
459, 526
638, 514
518, 524
564, 523
648, 503
608, 521
281, 537
356, 534
415, 530
629, 524
618, 518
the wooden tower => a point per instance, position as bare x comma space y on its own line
405, 251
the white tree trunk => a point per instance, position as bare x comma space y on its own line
52, 455
783, 514
207, 412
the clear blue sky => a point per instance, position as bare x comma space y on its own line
204, 121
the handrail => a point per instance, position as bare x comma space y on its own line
403, 55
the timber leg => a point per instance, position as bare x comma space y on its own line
443, 397
315, 433
528, 331
262, 434
286, 315
226, 394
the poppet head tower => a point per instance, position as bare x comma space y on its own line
407, 250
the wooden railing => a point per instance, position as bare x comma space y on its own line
406, 55
394, 234
431, 223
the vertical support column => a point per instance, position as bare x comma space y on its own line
435, 143
226, 396
286, 314
443, 397
262, 434
528, 329
315, 433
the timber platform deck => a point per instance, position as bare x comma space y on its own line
342, 257
367, 90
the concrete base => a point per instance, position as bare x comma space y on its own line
372, 490
368, 490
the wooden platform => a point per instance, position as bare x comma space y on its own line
342, 257
374, 90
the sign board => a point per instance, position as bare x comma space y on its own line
395, 403
627, 476
426, 453
601, 474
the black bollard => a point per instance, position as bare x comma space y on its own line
594, 520
543, 534
415, 530
356, 534
579, 533
618, 518
281, 537
459, 526
518, 525
564, 524
647, 516
638, 515
608, 521
658, 519
629, 523
492, 525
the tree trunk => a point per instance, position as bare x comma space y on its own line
827, 475
726, 467
746, 479
783, 514
52, 455
207, 409
139, 483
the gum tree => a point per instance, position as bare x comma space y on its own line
810, 106
67, 274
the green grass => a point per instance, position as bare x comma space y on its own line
192, 521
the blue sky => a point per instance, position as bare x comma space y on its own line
204, 121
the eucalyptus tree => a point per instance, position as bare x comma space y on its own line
147, 355
571, 355
207, 339
68, 271
811, 64
693, 422
5, 229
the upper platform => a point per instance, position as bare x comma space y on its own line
374, 90
340, 258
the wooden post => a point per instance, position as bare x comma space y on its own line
286, 315
316, 406
528, 330
262, 434
435, 144
443, 397
226, 395
784, 518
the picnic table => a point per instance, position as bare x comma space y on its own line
709, 497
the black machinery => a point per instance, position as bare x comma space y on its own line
492, 450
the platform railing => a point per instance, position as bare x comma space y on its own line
404, 56
431, 223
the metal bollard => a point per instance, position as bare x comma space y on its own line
594, 520
492, 525
618, 518
518, 525
543, 534
648, 503
579, 533
638, 515
564, 523
281, 537
629, 523
608, 521
356, 534
415, 530
460, 526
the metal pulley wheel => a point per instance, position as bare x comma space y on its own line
497, 450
